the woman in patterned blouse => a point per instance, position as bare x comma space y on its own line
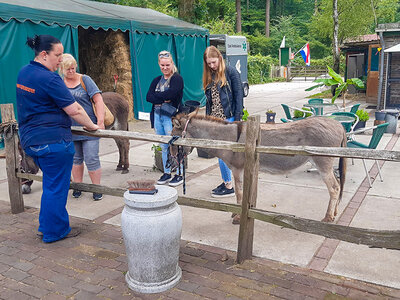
224, 92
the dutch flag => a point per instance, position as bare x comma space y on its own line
305, 53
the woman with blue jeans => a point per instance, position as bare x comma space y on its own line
224, 92
166, 89
44, 106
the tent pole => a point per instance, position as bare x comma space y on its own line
386, 80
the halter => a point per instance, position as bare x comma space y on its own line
180, 158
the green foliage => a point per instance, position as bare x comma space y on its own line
217, 26
259, 68
156, 148
300, 114
362, 115
245, 115
270, 111
336, 80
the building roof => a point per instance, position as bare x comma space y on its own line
96, 15
388, 27
361, 41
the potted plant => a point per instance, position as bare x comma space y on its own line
363, 117
158, 164
270, 116
341, 85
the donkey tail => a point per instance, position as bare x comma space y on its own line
342, 167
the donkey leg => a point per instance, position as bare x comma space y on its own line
125, 157
334, 189
325, 168
239, 193
120, 163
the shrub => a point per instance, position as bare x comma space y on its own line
300, 114
259, 68
362, 115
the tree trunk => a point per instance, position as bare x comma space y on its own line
238, 17
185, 10
335, 45
315, 7
267, 10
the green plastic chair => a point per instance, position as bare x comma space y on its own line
376, 137
318, 111
290, 116
354, 108
347, 125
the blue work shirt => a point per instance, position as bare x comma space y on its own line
41, 95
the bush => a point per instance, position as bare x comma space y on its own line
259, 68
362, 115
300, 114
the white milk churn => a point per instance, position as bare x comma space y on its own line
151, 227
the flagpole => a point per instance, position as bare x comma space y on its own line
300, 49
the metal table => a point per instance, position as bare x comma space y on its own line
318, 108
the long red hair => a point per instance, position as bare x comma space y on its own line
213, 52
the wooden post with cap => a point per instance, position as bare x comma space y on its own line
12, 158
250, 180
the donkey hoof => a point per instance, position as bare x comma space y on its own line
233, 215
236, 220
119, 168
26, 189
125, 171
328, 219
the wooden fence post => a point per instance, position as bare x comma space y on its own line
10, 144
250, 180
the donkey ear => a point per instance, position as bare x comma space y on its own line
176, 123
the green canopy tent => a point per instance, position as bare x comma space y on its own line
149, 32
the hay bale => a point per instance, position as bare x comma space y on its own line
103, 54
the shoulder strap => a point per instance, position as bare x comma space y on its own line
82, 83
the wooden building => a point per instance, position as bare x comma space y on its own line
389, 74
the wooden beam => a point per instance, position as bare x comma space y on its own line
250, 180
12, 157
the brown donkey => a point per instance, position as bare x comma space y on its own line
315, 131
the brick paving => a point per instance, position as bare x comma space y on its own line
93, 266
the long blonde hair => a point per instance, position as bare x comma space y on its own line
213, 52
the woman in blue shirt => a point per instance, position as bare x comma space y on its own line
44, 106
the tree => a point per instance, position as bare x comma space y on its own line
238, 17
267, 20
335, 44
185, 10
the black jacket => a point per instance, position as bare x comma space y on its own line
231, 95
174, 93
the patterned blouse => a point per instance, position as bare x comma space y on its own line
216, 106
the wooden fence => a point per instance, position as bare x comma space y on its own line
375, 238
303, 71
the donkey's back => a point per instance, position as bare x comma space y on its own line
316, 131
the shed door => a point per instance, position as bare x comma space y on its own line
372, 75
355, 67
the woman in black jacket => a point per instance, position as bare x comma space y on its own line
224, 92
165, 93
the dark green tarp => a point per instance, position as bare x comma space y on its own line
150, 32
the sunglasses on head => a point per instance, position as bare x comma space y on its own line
164, 55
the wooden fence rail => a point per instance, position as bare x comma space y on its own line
303, 71
251, 149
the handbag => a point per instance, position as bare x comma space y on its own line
108, 116
167, 109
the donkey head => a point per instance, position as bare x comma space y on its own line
180, 125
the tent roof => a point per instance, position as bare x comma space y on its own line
96, 15
393, 49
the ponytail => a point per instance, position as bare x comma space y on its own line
41, 43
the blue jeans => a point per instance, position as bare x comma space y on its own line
226, 173
55, 161
163, 126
